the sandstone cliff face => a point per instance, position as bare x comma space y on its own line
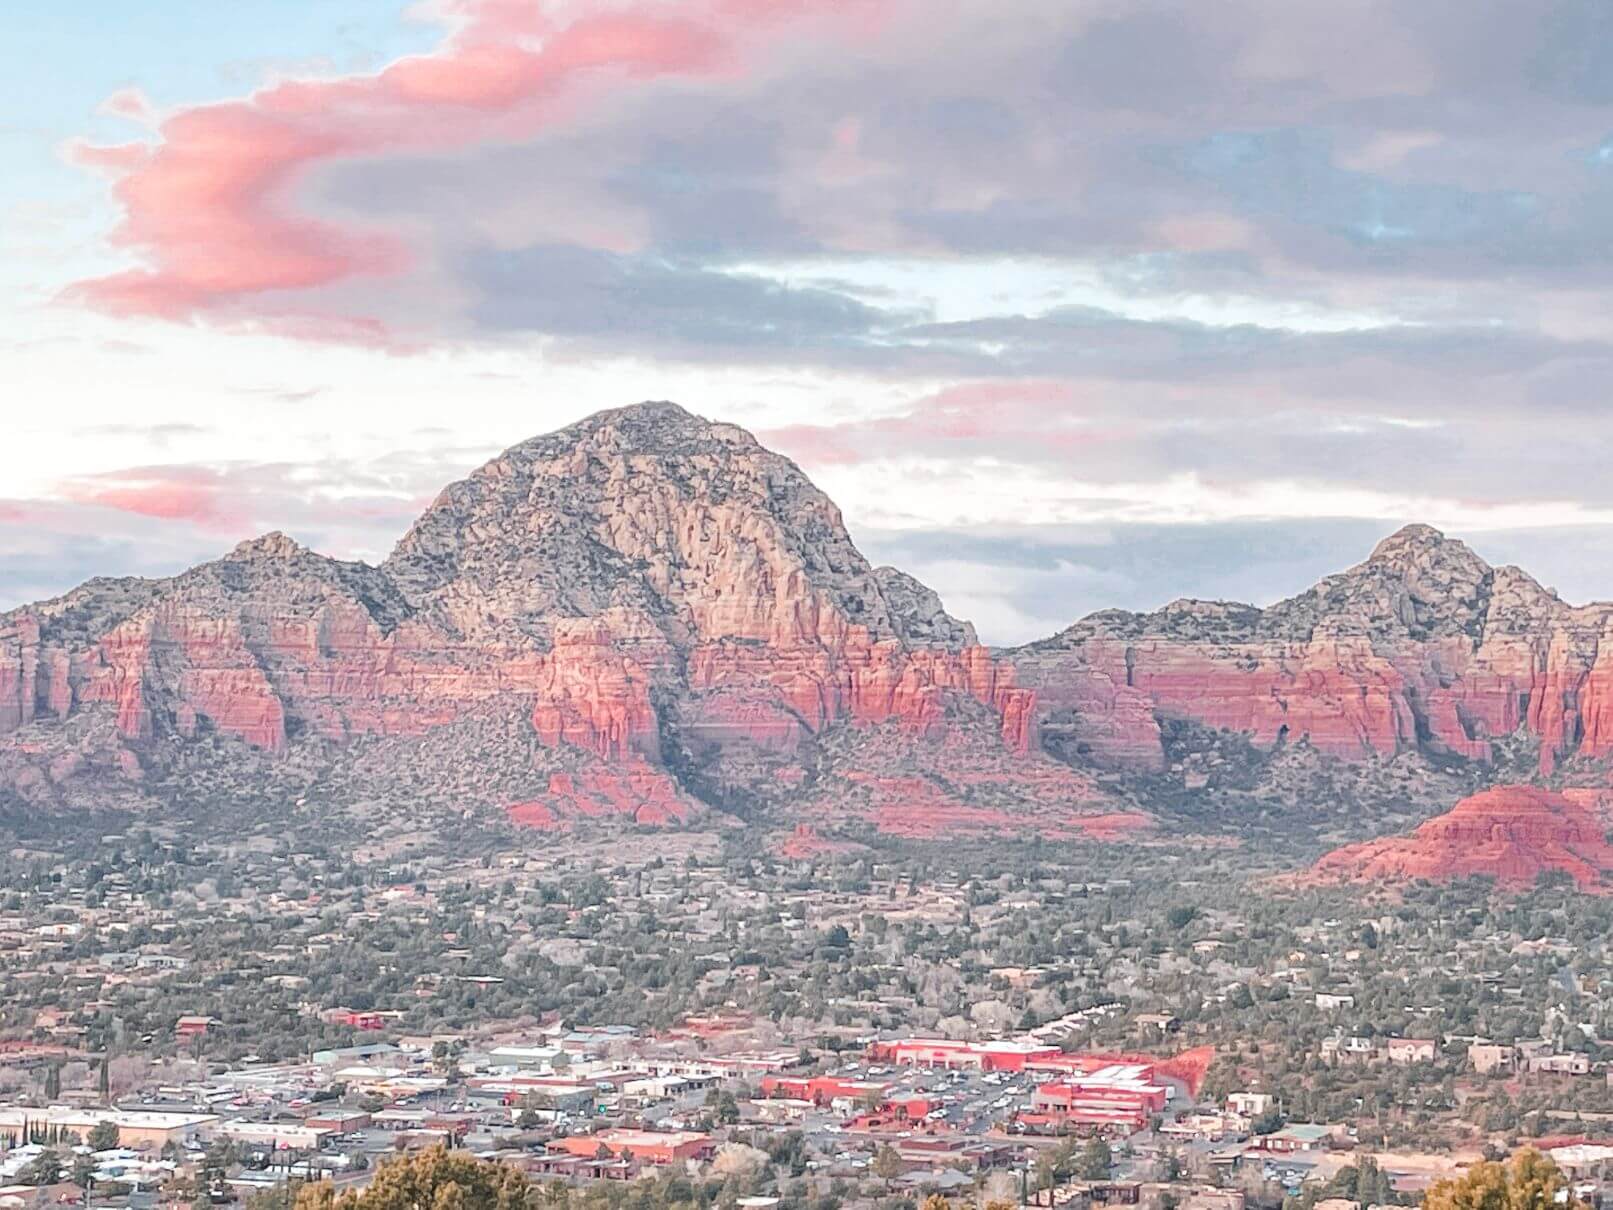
642, 586
1510, 833
1423, 646
647, 612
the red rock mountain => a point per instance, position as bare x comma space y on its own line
647, 614
1422, 647
643, 611
1510, 833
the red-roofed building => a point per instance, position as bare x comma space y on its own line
1119, 1096
354, 1019
961, 1056
913, 1108
821, 1090
645, 1146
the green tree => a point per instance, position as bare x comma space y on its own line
1096, 1161
1527, 1181
432, 1180
887, 1165
45, 1169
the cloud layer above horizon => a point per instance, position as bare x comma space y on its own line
1227, 289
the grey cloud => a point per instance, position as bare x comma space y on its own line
654, 303
1077, 131
1434, 161
1574, 58
1078, 339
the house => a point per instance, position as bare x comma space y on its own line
1354, 1049
167, 962
1158, 1023
1300, 1136
194, 1027
1488, 1057
353, 1018
1202, 1125
1406, 1051
1560, 1065
1333, 1001
1250, 1104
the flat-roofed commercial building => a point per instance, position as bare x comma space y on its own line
646, 1146
137, 1129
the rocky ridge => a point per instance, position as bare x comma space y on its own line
647, 615
1423, 647
667, 604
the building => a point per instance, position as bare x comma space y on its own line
339, 1121
781, 1110
1158, 1023
1560, 1065
537, 1092
137, 1130
1411, 1050
822, 1090
564, 1164
960, 1056
1487, 1057
1202, 1125
967, 1154
644, 1146
1354, 1049
346, 1055
1301, 1136
353, 1018
194, 1027
280, 1136
1250, 1104
651, 1090
1121, 1096
524, 1056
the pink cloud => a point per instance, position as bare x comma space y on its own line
132, 104
211, 206
179, 493
344, 507
165, 501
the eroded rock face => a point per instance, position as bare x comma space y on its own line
1510, 833
641, 583
1422, 646
668, 614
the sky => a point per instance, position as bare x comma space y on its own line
1068, 305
